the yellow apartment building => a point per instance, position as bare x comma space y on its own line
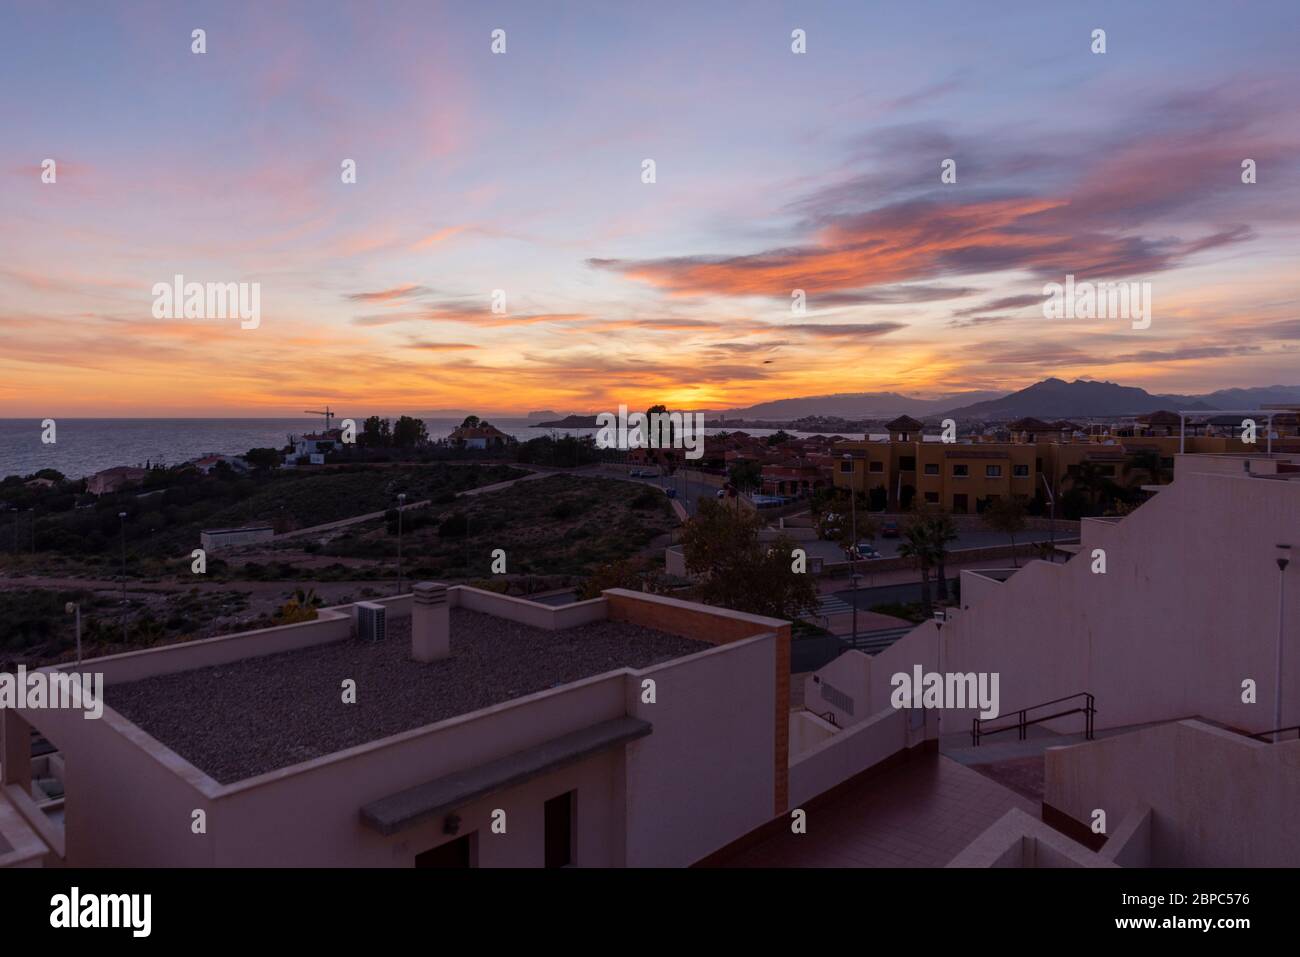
961, 477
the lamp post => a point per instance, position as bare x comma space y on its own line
853, 545
1283, 559
1051, 528
122, 519
73, 608
401, 503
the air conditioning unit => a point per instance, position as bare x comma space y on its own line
371, 621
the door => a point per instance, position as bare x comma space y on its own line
452, 854
559, 830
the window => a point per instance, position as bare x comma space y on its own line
960, 471
1038, 465
876, 467
559, 830
932, 469
907, 463
959, 505
1020, 471
932, 498
993, 471
846, 466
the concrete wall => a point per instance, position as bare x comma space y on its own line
808, 730
1018, 840
127, 798
850, 752
709, 772
309, 814
848, 674
19, 844
707, 775
722, 626
215, 540
1186, 611
546, 617
1216, 799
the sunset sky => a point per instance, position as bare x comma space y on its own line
522, 172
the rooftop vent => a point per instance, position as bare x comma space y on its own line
430, 622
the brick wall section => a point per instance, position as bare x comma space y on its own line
719, 626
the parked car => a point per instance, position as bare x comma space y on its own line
722, 493
867, 550
889, 530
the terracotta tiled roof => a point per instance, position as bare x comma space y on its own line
1160, 418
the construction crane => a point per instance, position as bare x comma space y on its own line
329, 416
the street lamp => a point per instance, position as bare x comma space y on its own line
853, 550
1283, 558
1051, 528
401, 503
122, 519
73, 608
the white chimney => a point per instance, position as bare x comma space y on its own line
430, 622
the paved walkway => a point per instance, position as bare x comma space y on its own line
920, 814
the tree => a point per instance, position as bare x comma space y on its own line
941, 529
740, 572
1094, 484
629, 573
665, 439
409, 432
918, 545
832, 513
1148, 463
1007, 515
471, 422
746, 475
376, 433
778, 437
264, 459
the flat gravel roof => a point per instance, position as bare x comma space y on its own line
238, 720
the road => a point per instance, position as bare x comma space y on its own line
689, 492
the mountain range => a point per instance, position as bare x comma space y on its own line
1049, 399
853, 405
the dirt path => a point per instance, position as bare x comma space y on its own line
371, 516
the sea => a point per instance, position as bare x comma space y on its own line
85, 446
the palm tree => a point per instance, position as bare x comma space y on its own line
918, 545
942, 531
1148, 462
1093, 483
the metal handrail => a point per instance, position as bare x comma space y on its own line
828, 716
1023, 721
